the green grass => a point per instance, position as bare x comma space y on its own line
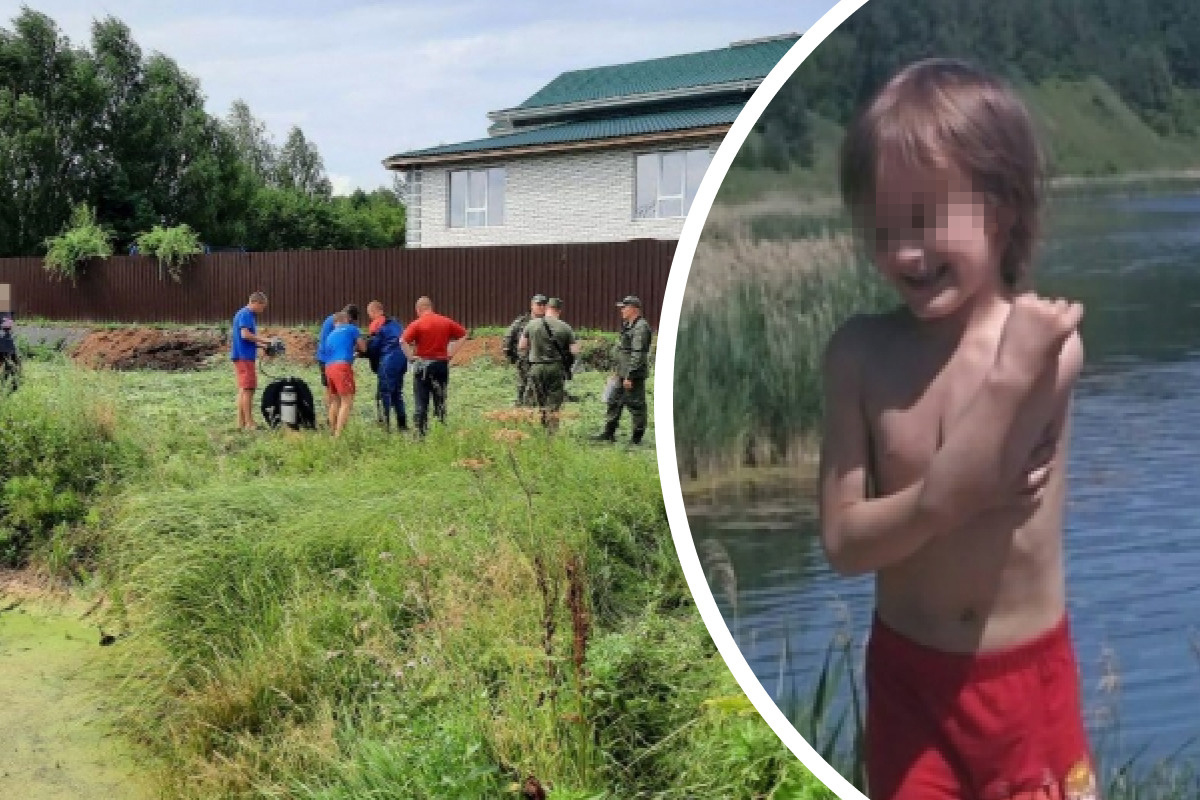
379, 617
749, 350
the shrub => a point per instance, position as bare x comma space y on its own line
172, 247
80, 241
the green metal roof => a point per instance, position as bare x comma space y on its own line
632, 125
738, 62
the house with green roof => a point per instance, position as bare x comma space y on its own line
604, 154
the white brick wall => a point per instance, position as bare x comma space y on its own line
584, 197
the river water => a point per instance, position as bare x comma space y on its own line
1133, 522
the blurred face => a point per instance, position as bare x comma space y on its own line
934, 238
373, 312
258, 308
629, 313
537, 309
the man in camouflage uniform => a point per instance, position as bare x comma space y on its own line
632, 369
548, 341
512, 341
554, 310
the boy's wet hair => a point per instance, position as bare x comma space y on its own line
944, 111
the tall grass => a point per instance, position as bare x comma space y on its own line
751, 341
486, 612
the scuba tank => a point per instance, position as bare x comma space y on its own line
287, 406
288, 401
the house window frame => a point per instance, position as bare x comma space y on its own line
681, 197
488, 206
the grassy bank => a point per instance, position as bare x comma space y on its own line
750, 343
477, 615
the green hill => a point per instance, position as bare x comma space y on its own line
1087, 129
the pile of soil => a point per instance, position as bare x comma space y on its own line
148, 348
179, 349
486, 347
300, 346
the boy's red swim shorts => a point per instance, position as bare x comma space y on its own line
990, 726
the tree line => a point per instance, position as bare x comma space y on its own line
126, 135
1148, 51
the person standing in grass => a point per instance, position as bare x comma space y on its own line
548, 343
512, 346
244, 342
341, 346
384, 350
944, 453
632, 370
554, 308
10, 358
322, 357
429, 341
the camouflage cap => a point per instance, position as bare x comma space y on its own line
630, 300
539, 300
554, 302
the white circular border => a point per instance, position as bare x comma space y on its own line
664, 400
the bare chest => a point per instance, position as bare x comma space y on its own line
911, 415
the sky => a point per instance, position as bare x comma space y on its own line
365, 81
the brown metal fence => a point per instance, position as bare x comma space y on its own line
475, 285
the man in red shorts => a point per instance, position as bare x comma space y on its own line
429, 341
244, 342
340, 347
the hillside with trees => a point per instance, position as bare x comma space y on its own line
125, 134
1114, 84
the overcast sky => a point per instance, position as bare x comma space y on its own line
368, 80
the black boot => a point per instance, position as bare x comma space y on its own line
636, 438
609, 434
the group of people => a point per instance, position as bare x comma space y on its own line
426, 345
543, 347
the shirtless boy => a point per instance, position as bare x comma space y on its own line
944, 451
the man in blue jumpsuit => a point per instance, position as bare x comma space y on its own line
383, 348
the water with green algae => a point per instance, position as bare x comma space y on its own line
57, 722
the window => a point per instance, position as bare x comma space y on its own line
667, 182
477, 198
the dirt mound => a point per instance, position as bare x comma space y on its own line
179, 349
148, 348
487, 347
301, 347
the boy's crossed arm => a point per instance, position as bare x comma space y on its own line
997, 452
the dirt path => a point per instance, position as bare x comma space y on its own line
57, 721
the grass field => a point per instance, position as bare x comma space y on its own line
476, 615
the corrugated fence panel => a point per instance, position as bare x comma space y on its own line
475, 285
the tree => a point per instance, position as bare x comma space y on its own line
252, 141
300, 167
48, 100
784, 133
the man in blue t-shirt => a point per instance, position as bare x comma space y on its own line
322, 357
384, 349
244, 342
341, 345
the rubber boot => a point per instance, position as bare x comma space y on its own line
609, 434
636, 437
